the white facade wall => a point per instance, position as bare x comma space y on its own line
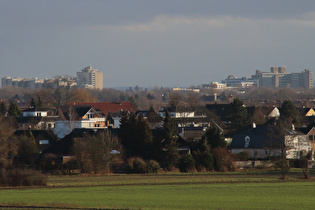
35, 114
63, 128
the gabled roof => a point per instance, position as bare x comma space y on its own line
78, 111
266, 110
311, 132
111, 107
258, 137
307, 112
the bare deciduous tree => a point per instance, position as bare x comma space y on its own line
278, 142
8, 144
93, 152
82, 95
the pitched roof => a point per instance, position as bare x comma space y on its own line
265, 110
111, 107
258, 138
78, 110
307, 112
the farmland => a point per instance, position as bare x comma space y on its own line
239, 190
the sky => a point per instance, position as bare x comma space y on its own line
169, 43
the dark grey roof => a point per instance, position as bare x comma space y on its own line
36, 109
30, 120
258, 136
65, 145
79, 111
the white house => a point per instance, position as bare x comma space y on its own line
78, 117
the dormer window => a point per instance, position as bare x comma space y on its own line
247, 139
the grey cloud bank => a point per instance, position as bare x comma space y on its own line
163, 43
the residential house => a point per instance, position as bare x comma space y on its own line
310, 133
175, 112
43, 138
260, 144
153, 118
64, 148
36, 118
191, 124
114, 109
78, 116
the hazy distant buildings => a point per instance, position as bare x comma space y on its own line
90, 78
276, 78
242, 82
19, 82
87, 78
58, 81
217, 85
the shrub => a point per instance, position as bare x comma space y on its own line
153, 166
187, 163
205, 160
139, 166
22, 177
223, 160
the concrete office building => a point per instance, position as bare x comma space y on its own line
243, 82
279, 78
90, 78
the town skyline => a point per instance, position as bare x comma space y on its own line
165, 43
92, 78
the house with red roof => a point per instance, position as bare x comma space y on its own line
114, 109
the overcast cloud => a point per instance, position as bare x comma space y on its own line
163, 43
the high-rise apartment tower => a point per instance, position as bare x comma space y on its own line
90, 78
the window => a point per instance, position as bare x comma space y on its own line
311, 137
45, 141
97, 125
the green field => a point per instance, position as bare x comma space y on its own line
257, 190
